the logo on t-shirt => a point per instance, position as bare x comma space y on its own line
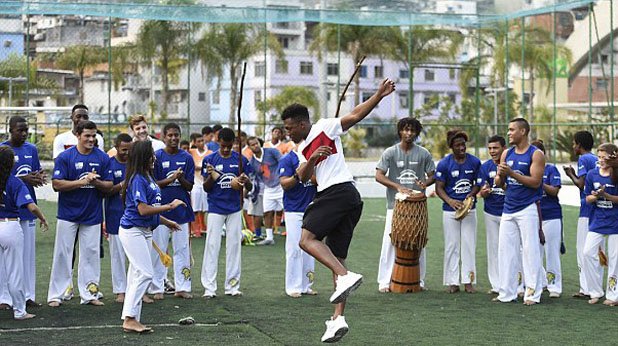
513, 181
165, 164
118, 174
407, 177
23, 170
462, 186
79, 165
225, 181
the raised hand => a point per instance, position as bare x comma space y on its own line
386, 87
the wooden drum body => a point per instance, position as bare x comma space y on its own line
409, 236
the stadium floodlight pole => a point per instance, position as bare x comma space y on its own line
358, 66
240, 168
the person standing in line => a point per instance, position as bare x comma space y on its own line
142, 198
321, 154
198, 195
582, 147
456, 180
174, 172
81, 176
223, 181
14, 195
68, 139
494, 203
402, 168
520, 173
551, 213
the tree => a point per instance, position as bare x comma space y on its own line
164, 43
78, 58
15, 66
428, 45
357, 41
230, 45
287, 96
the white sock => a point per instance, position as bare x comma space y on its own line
269, 234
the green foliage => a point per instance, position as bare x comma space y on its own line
15, 66
289, 95
354, 142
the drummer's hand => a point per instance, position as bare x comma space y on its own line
455, 204
421, 184
405, 190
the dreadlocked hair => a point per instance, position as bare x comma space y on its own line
139, 162
7, 159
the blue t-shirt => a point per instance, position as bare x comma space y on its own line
603, 214
16, 196
265, 170
519, 197
26, 161
166, 165
550, 205
458, 178
494, 203
83, 205
141, 190
585, 163
297, 198
114, 207
212, 146
222, 199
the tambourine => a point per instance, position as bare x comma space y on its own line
465, 209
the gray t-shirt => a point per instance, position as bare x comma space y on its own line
405, 167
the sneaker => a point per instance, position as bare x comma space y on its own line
168, 287
234, 294
554, 295
266, 242
345, 285
335, 329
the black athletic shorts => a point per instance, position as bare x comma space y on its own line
333, 214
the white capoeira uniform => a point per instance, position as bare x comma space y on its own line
404, 168
603, 217
165, 165
520, 225
80, 212
459, 236
585, 163
299, 265
224, 209
114, 209
551, 212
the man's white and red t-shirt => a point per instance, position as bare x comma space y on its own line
67, 139
329, 170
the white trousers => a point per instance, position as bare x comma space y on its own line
199, 201
11, 255
459, 245
118, 264
552, 229
137, 243
582, 232
89, 266
181, 259
29, 265
299, 265
492, 229
387, 256
518, 228
594, 277
232, 252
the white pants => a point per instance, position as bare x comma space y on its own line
594, 277
232, 254
552, 229
181, 259
29, 265
522, 228
492, 229
118, 264
199, 201
387, 256
137, 243
89, 266
299, 265
273, 198
459, 245
11, 247
582, 231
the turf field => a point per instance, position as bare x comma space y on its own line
265, 315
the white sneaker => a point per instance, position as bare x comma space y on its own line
266, 242
335, 329
345, 285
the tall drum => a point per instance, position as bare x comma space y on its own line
409, 236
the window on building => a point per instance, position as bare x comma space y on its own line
216, 97
404, 74
378, 71
403, 99
306, 67
363, 72
452, 73
602, 83
431, 100
284, 42
258, 96
452, 97
366, 96
281, 66
328, 96
332, 69
604, 59
8, 43
201, 97
260, 69
430, 75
